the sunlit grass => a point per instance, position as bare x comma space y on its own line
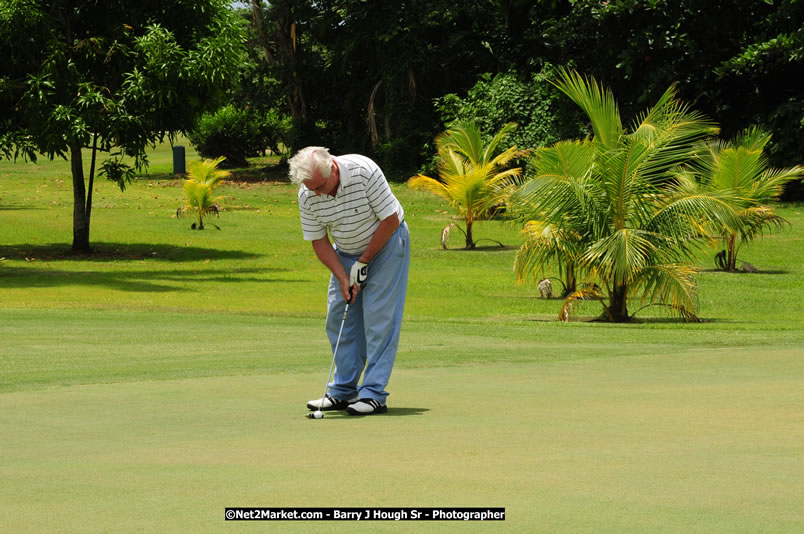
149, 385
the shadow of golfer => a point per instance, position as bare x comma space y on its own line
405, 411
392, 411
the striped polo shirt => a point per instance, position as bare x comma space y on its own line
353, 215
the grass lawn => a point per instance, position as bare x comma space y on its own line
162, 379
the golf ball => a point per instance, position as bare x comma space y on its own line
318, 414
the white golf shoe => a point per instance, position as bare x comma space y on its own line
366, 407
329, 403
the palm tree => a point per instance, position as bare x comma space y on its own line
739, 170
547, 244
203, 178
474, 178
608, 196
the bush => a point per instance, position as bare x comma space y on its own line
275, 131
543, 114
230, 132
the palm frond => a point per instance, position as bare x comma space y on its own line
684, 210
598, 104
206, 171
752, 138
770, 184
463, 138
431, 185
583, 294
491, 148
672, 285
757, 219
565, 158
622, 255
544, 245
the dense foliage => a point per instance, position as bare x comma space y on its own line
476, 177
230, 132
603, 209
363, 76
110, 76
542, 115
739, 170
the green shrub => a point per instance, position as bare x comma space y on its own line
230, 132
543, 116
275, 131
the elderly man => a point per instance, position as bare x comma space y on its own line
349, 197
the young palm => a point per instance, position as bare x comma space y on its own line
609, 191
474, 178
738, 170
560, 244
203, 178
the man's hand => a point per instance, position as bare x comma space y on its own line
347, 292
359, 274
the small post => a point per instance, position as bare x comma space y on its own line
178, 160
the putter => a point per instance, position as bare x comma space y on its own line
318, 414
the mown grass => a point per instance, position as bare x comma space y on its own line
146, 258
153, 383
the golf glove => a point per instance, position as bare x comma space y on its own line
359, 274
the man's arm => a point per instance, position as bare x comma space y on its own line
381, 236
326, 255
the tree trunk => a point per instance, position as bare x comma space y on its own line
731, 253
572, 283
284, 34
618, 304
80, 214
470, 244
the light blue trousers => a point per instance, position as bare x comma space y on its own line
371, 331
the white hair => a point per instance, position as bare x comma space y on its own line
307, 159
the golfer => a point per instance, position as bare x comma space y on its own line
350, 197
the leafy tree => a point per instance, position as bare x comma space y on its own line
113, 76
543, 116
474, 176
739, 169
610, 195
736, 61
202, 180
230, 132
291, 62
367, 72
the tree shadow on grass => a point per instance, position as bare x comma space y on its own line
102, 252
124, 278
760, 271
483, 248
19, 207
155, 281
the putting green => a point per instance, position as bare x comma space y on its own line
708, 441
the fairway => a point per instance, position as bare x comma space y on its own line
707, 442
147, 387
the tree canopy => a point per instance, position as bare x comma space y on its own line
363, 75
111, 76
